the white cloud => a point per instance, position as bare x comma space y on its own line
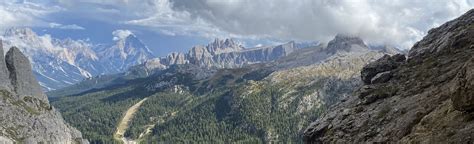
14, 14
170, 22
400, 22
18, 14
61, 26
121, 34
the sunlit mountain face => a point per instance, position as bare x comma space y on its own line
239, 71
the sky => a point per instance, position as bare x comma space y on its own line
177, 25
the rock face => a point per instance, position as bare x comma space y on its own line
27, 116
463, 97
21, 75
427, 99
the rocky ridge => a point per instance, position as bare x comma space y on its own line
218, 54
426, 98
27, 116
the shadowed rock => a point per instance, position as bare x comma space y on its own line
4, 74
21, 75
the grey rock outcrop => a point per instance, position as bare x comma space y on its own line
4, 74
27, 117
428, 99
463, 97
21, 75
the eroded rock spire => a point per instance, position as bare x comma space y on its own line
21, 75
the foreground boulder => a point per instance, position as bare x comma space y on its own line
384, 64
427, 99
26, 115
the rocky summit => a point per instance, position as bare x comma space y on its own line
427, 98
27, 116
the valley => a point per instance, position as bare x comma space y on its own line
224, 105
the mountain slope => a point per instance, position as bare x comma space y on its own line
27, 116
425, 99
226, 104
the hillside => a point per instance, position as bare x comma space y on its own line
427, 98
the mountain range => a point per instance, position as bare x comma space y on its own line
58, 63
62, 62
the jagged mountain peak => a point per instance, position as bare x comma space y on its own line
19, 31
131, 43
225, 45
21, 36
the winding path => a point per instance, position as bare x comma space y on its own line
123, 125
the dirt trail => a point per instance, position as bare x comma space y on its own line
123, 125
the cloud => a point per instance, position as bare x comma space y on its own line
121, 34
168, 21
17, 14
400, 22
61, 26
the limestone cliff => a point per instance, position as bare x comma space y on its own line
218, 54
26, 115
